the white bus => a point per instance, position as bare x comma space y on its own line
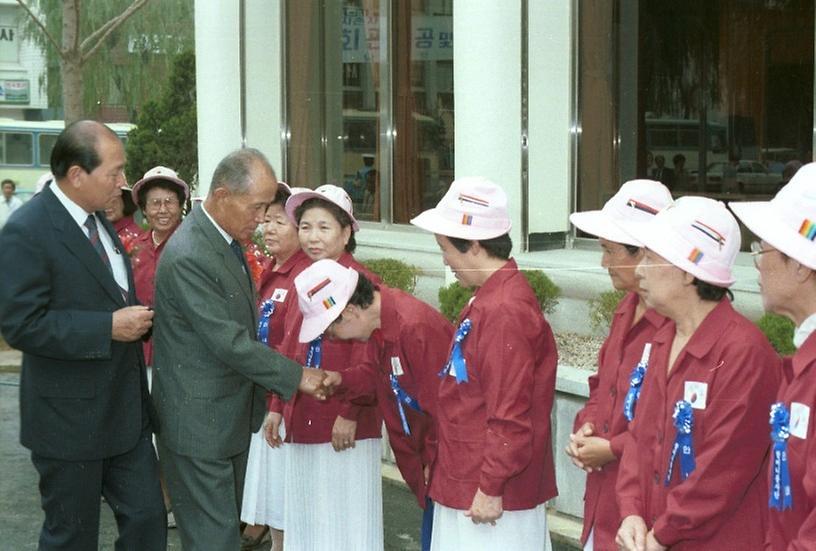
25, 149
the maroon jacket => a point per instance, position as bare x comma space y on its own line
620, 353
310, 421
723, 504
795, 529
412, 343
494, 430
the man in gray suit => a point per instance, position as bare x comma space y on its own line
211, 374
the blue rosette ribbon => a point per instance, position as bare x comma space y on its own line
457, 356
683, 423
313, 356
781, 495
635, 382
267, 309
403, 398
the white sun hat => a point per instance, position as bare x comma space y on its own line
788, 221
696, 234
160, 173
636, 202
327, 192
323, 290
474, 208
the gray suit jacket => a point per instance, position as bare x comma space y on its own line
207, 362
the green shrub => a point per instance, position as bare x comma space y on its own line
602, 307
778, 330
394, 273
454, 297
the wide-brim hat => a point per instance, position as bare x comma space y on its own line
327, 192
160, 173
323, 290
473, 208
788, 221
636, 202
697, 235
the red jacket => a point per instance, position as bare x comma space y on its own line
127, 230
412, 343
310, 421
619, 354
144, 257
795, 528
494, 430
723, 503
278, 284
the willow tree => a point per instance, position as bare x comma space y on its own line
102, 52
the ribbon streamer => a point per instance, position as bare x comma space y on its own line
403, 398
781, 495
267, 309
683, 422
313, 356
457, 357
635, 382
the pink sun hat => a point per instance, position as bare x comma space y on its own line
788, 221
636, 202
473, 208
323, 290
696, 234
327, 192
160, 173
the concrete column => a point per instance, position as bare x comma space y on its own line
487, 96
217, 85
550, 98
264, 79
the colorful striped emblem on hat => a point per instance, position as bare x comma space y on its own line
808, 229
709, 232
316, 289
473, 200
695, 256
328, 302
641, 206
467, 219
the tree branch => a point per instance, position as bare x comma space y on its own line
42, 27
101, 34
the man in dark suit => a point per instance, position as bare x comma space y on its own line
662, 174
211, 374
67, 300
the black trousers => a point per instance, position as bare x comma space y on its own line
71, 491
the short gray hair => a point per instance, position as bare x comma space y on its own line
234, 170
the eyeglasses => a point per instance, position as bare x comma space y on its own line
757, 250
167, 202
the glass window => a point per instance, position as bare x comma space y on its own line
47, 142
715, 97
18, 148
370, 102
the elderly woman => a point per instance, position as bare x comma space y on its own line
333, 500
786, 260
119, 212
263, 502
691, 475
601, 428
161, 195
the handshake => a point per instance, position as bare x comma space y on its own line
318, 383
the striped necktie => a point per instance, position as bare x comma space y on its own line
93, 236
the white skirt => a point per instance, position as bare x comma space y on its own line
264, 483
333, 499
517, 530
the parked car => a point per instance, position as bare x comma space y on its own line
751, 177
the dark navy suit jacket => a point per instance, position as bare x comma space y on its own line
83, 396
